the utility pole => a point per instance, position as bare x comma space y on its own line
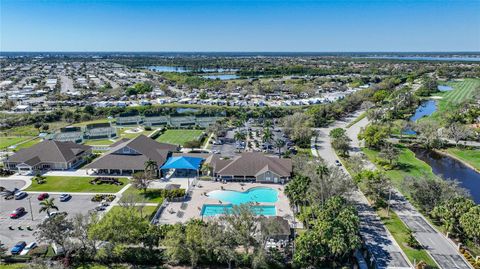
30, 204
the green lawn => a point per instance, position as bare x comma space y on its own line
151, 196
400, 232
179, 137
8, 141
462, 90
28, 144
104, 142
74, 184
471, 156
123, 134
84, 123
407, 165
147, 211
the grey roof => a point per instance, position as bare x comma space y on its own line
146, 149
49, 151
252, 164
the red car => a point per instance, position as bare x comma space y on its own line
43, 196
17, 213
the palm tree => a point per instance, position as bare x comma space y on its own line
239, 136
279, 143
267, 135
151, 168
47, 205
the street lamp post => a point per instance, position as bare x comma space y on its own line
30, 204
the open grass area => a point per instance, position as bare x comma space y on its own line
124, 134
74, 184
407, 165
7, 141
151, 196
105, 142
147, 211
179, 137
84, 123
470, 156
450, 100
28, 144
401, 233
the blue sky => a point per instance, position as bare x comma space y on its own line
239, 25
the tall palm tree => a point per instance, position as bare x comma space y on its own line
47, 205
239, 136
267, 135
279, 143
151, 168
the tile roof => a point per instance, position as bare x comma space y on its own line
253, 164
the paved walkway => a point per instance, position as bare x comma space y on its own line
378, 239
440, 248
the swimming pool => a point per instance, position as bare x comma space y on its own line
253, 195
214, 210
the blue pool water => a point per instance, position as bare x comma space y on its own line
214, 210
253, 195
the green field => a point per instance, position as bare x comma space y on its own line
8, 141
74, 184
450, 100
407, 165
28, 144
400, 232
84, 123
123, 134
103, 142
470, 156
179, 137
151, 196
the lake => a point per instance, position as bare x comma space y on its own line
426, 108
183, 69
426, 58
449, 168
221, 77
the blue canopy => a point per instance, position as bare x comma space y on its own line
183, 162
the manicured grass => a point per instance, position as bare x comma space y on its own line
407, 165
123, 134
151, 196
28, 144
74, 184
14, 266
105, 142
8, 141
147, 211
462, 90
179, 137
401, 233
470, 156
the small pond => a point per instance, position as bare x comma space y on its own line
444, 88
221, 77
449, 168
426, 108
183, 69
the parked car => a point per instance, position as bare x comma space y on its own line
18, 247
65, 197
20, 195
43, 196
17, 213
28, 248
100, 207
338, 163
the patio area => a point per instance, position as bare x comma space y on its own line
181, 212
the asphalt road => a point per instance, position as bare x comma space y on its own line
379, 242
437, 245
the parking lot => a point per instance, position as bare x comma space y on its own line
77, 204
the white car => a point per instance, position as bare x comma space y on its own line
20, 195
28, 248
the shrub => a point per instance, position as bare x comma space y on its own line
101, 197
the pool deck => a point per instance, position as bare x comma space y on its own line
198, 199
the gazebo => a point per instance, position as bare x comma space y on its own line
183, 163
